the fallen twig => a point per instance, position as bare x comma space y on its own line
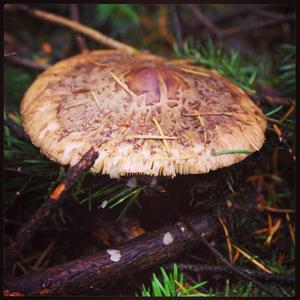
48, 208
75, 16
27, 63
197, 268
276, 210
90, 274
256, 25
177, 26
18, 131
73, 25
205, 20
239, 10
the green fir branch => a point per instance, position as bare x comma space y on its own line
228, 63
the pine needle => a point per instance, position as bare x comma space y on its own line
277, 131
123, 85
154, 137
210, 114
234, 151
195, 72
291, 230
273, 230
236, 256
227, 239
202, 124
43, 255
96, 99
250, 142
252, 259
278, 210
288, 113
162, 134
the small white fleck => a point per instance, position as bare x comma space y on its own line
202, 234
213, 243
182, 229
103, 204
168, 238
132, 182
115, 255
91, 287
154, 181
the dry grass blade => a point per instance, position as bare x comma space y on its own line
96, 100
277, 131
291, 230
209, 114
195, 72
180, 286
278, 210
227, 239
154, 137
261, 231
246, 137
272, 120
162, 134
43, 255
288, 113
253, 260
274, 229
131, 93
236, 256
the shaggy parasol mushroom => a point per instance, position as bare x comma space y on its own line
143, 113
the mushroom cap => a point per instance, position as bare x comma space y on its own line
144, 114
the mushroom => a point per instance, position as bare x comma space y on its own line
144, 114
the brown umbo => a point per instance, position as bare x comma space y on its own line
144, 114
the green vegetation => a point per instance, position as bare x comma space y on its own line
172, 284
287, 70
230, 64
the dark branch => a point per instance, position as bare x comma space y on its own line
177, 26
18, 131
48, 208
205, 20
75, 16
89, 275
27, 63
209, 269
256, 25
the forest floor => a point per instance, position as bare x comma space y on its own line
254, 201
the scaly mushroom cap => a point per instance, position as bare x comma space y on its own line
142, 113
